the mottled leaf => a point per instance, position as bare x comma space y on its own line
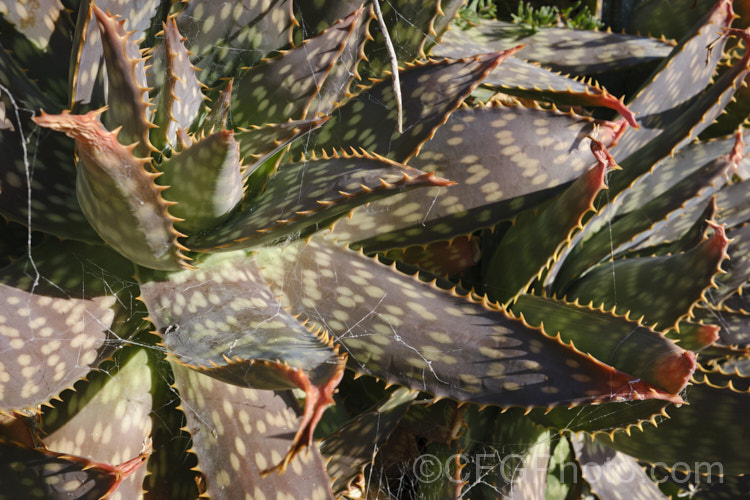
430, 92
240, 433
223, 321
662, 101
604, 418
117, 195
205, 180
737, 267
520, 78
695, 434
573, 51
308, 195
284, 87
536, 237
127, 94
350, 448
695, 335
628, 230
87, 81
412, 333
223, 37
39, 175
180, 99
39, 473
630, 347
75, 425
612, 474
662, 289
61, 311
497, 155
36, 20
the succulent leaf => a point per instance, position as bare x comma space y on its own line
410, 336
224, 37
616, 341
691, 440
113, 185
257, 433
44, 473
612, 474
315, 193
431, 91
536, 238
71, 320
127, 86
205, 180
88, 81
351, 446
580, 52
488, 178
284, 87
180, 99
526, 80
259, 143
662, 289
129, 422
657, 105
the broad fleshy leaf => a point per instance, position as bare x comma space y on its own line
431, 91
239, 434
63, 308
113, 185
75, 426
658, 104
235, 330
284, 87
180, 99
33, 472
205, 182
499, 156
614, 340
662, 289
695, 433
536, 237
310, 194
224, 37
418, 335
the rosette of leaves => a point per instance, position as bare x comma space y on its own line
174, 322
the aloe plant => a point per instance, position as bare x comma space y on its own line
187, 310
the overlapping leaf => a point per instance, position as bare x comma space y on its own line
425, 338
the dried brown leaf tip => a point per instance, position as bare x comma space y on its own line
246, 237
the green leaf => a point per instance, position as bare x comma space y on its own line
737, 266
224, 37
285, 87
695, 434
633, 227
75, 426
117, 195
526, 80
495, 154
305, 196
430, 339
630, 347
612, 474
205, 180
431, 91
662, 289
239, 434
32, 472
661, 103
572, 51
65, 307
350, 448
223, 321
536, 237
127, 87
180, 99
